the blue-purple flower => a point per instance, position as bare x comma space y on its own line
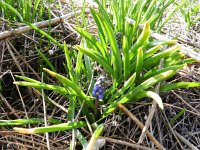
98, 90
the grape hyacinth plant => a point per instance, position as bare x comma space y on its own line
98, 93
98, 90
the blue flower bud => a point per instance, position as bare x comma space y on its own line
100, 96
98, 92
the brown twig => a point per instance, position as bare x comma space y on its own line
186, 142
171, 129
135, 146
41, 24
141, 126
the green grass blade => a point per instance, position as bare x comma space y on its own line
94, 137
178, 85
151, 51
35, 7
173, 59
13, 10
156, 71
42, 9
21, 122
89, 68
163, 54
69, 63
141, 40
81, 138
46, 35
79, 63
72, 85
40, 85
177, 116
116, 57
127, 84
126, 59
104, 13
97, 57
139, 63
71, 109
138, 14
27, 79
93, 40
48, 63
53, 128
196, 8
137, 90
149, 9
163, 42
99, 24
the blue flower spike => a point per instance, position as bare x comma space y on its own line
98, 90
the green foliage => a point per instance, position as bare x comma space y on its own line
52, 128
190, 12
95, 136
17, 122
23, 10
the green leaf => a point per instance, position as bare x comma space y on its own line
137, 90
141, 40
49, 64
126, 59
72, 85
139, 63
151, 51
105, 13
81, 138
69, 63
150, 7
177, 116
127, 84
93, 40
27, 79
71, 109
157, 71
40, 85
17, 122
36, 4
13, 10
45, 34
173, 86
53, 128
156, 58
116, 56
94, 137
79, 62
97, 57
89, 68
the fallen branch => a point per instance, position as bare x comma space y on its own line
41, 24
186, 142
